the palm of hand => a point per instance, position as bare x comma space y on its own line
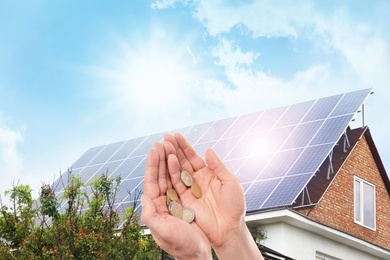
222, 206
190, 235
164, 227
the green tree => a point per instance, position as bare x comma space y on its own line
88, 228
16, 220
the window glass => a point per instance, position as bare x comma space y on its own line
357, 200
369, 205
364, 197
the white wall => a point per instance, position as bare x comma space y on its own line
303, 245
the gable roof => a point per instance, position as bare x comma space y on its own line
317, 186
274, 153
377, 158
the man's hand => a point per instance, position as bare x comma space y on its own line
220, 212
177, 237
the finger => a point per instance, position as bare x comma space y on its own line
179, 186
216, 165
149, 213
171, 139
169, 149
162, 168
189, 153
151, 188
184, 163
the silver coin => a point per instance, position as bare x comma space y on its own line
186, 178
188, 215
175, 209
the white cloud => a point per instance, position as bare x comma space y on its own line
231, 56
362, 43
163, 4
262, 18
11, 163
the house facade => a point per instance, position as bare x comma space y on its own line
348, 219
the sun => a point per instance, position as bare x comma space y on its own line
151, 74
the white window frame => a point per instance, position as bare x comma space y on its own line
360, 221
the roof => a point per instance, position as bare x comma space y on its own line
323, 178
377, 158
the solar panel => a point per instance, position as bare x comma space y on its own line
274, 153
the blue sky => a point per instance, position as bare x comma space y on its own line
78, 74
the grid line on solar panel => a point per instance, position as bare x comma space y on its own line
88, 172
145, 145
252, 167
311, 158
351, 102
282, 132
216, 130
197, 131
245, 145
280, 164
242, 122
223, 146
64, 179
253, 199
127, 166
130, 186
267, 120
87, 156
202, 147
182, 130
139, 170
298, 137
106, 153
286, 191
295, 113
331, 130
322, 108
127, 148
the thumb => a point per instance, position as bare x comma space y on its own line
148, 210
216, 165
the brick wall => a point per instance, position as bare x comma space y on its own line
336, 208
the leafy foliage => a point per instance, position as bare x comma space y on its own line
88, 228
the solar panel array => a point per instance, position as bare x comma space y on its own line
274, 153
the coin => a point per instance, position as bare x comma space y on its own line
172, 195
186, 178
188, 215
175, 209
195, 189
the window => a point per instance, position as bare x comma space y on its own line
365, 203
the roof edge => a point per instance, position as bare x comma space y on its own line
377, 158
298, 220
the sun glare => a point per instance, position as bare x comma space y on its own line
154, 74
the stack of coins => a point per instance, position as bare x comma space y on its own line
176, 209
174, 206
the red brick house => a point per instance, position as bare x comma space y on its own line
344, 213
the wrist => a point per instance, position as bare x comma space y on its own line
239, 244
203, 253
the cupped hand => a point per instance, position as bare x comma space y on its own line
177, 237
220, 212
